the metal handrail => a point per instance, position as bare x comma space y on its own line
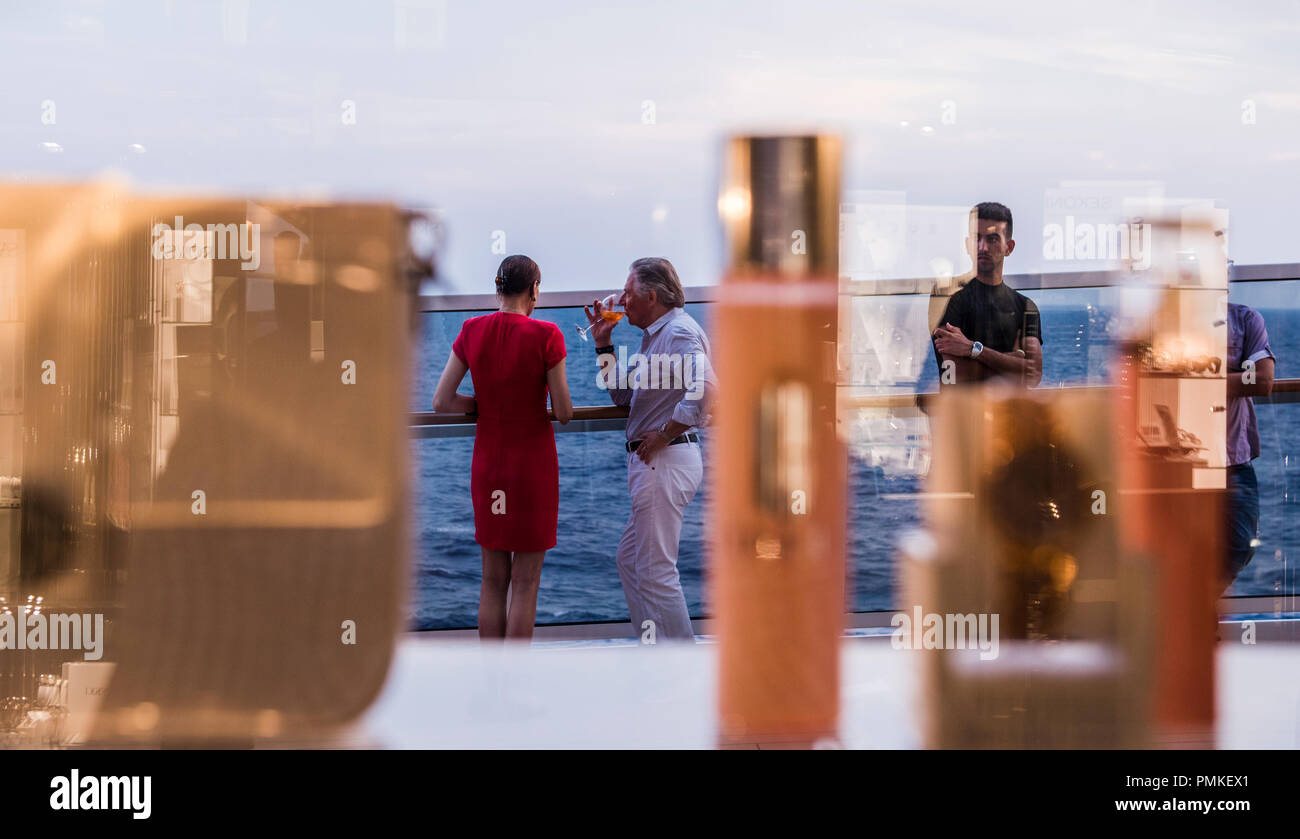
611, 417
1261, 273
586, 412
587, 418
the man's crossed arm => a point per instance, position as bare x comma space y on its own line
1025, 361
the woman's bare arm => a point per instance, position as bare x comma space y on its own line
445, 398
561, 404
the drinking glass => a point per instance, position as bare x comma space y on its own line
607, 313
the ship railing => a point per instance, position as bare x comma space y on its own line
597, 418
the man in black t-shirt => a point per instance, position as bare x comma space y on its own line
989, 329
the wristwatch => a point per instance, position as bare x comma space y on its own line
603, 350
662, 431
975, 349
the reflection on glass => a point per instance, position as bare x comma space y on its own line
211, 449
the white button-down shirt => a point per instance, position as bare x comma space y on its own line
671, 378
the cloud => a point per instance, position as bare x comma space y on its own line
1277, 100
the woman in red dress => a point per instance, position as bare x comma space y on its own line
515, 480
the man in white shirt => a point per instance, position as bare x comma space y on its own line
667, 387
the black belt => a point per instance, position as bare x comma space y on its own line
688, 437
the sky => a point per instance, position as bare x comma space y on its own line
587, 136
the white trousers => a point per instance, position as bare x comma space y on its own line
647, 553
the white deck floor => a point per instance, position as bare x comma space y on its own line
456, 694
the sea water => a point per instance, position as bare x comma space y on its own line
579, 578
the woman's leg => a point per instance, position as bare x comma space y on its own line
492, 594
525, 575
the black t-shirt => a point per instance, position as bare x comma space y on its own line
992, 315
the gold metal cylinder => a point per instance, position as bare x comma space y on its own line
780, 206
777, 553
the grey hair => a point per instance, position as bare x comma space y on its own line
655, 272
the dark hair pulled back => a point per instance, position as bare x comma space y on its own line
517, 275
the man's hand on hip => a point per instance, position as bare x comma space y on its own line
651, 444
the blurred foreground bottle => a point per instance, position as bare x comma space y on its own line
1090, 523
1032, 628
213, 452
1172, 392
777, 568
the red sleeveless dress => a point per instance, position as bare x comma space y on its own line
515, 478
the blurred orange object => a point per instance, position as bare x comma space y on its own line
777, 565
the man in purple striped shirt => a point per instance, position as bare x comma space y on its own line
1250, 366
